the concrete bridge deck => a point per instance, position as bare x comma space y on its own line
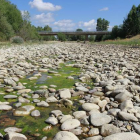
43, 33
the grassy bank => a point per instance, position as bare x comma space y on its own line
134, 41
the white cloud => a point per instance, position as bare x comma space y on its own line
104, 9
64, 25
43, 19
90, 25
44, 6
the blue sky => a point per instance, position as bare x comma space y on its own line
68, 15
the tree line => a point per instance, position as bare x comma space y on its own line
15, 23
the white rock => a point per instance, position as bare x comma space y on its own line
70, 124
64, 135
89, 106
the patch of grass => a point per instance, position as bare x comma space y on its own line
119, 72
134, 41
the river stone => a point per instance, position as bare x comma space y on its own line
1, 136
137, 128
123, 136
99, 119
12, 129
42, 93
15, 136
77, 131
98, 93
52, 120
89, 106
94, 138
64, 135
51, 99
65, 94
9, 81
109, 129
79, 114
126, 105
84, 121
80, 88
123, 96
5, 107
93, 132
113, 111
70, 124
23, 111
42, 104
127, 116
35, 113
10, 97
57, 113
24, 91
65, 117
18, 104
23, 100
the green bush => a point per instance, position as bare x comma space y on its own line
17, 39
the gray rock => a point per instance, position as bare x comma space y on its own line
18, 104
35, 113
99, 119
77, 131
12, 129
57, 113
5, 107
126, 105
123, 136
65, 117
42, 93
42, 104
23, 100
64, 135
70, 124
94, 138
51, 99
79, 114
109, 129
15, 136
80, 88
65, 94
93, 132
52, 120
127, 116
137, 128
10, 97
123, 96
89, 106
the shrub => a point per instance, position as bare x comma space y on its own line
17, 39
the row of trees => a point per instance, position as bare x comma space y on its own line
130, 26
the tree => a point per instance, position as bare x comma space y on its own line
131, 24
28, 31
61, 37
47, 28
6, 30
80, 37
12, 14
102, 24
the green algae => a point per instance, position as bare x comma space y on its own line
32, 125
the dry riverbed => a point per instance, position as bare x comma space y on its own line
69, 91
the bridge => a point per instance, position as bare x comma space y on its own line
86, 33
